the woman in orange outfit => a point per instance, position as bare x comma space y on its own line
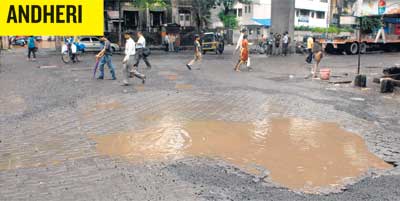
244, 53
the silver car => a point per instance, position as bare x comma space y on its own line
93, 44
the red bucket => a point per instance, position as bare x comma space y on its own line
325, 74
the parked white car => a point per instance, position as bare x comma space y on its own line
93, 44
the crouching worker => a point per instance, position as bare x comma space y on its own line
318, 55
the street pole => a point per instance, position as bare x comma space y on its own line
359, 47
119, 23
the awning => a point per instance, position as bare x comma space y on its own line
263, 22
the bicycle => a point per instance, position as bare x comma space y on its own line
67, 56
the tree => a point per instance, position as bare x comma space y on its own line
229, 20
150, 4
202, 10
228, 4
369, 24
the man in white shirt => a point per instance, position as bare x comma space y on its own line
239, 42
129, 60
140, 46
285, 43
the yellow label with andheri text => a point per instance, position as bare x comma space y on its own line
51, 17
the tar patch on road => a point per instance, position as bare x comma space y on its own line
299, 154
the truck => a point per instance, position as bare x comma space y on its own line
386, 38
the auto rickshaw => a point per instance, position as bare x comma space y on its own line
212, 42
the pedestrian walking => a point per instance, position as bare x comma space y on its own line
239, 42
244, 54
140, 51
171, 43
277, 45
166, 42
310, 46
285, 43
105, 57
270, 43
197, 52
129, 61
31, 48
177, 43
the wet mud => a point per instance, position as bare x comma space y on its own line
299, 154
172, 77
108, 106
183, 86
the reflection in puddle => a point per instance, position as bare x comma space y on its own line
300, 154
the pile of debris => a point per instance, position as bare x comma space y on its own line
389, 80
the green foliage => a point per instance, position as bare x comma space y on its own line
228, 20
228, 4
369, 24
151, 4
332, 29
202, 11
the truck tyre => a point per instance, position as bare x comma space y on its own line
363, 48
352, 49
330, 49
386, 86
360, 81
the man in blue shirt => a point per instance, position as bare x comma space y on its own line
31, 48
105, 58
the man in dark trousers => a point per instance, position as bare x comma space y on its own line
129, 60
31, 48
105, 58
285, 43
140, 47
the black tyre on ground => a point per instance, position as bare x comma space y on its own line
330, 49
386, 86
360, 81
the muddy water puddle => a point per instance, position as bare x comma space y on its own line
299, 154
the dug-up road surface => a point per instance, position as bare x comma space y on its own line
205, 134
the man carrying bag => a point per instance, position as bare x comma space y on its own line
141, 51
129, 60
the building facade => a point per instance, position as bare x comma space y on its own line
255, 17
312, 13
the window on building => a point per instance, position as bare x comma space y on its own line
312, 14
156, 18
249, 9
185, 18
245, 9
320, 15
131, 20
305, 13
240, 12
